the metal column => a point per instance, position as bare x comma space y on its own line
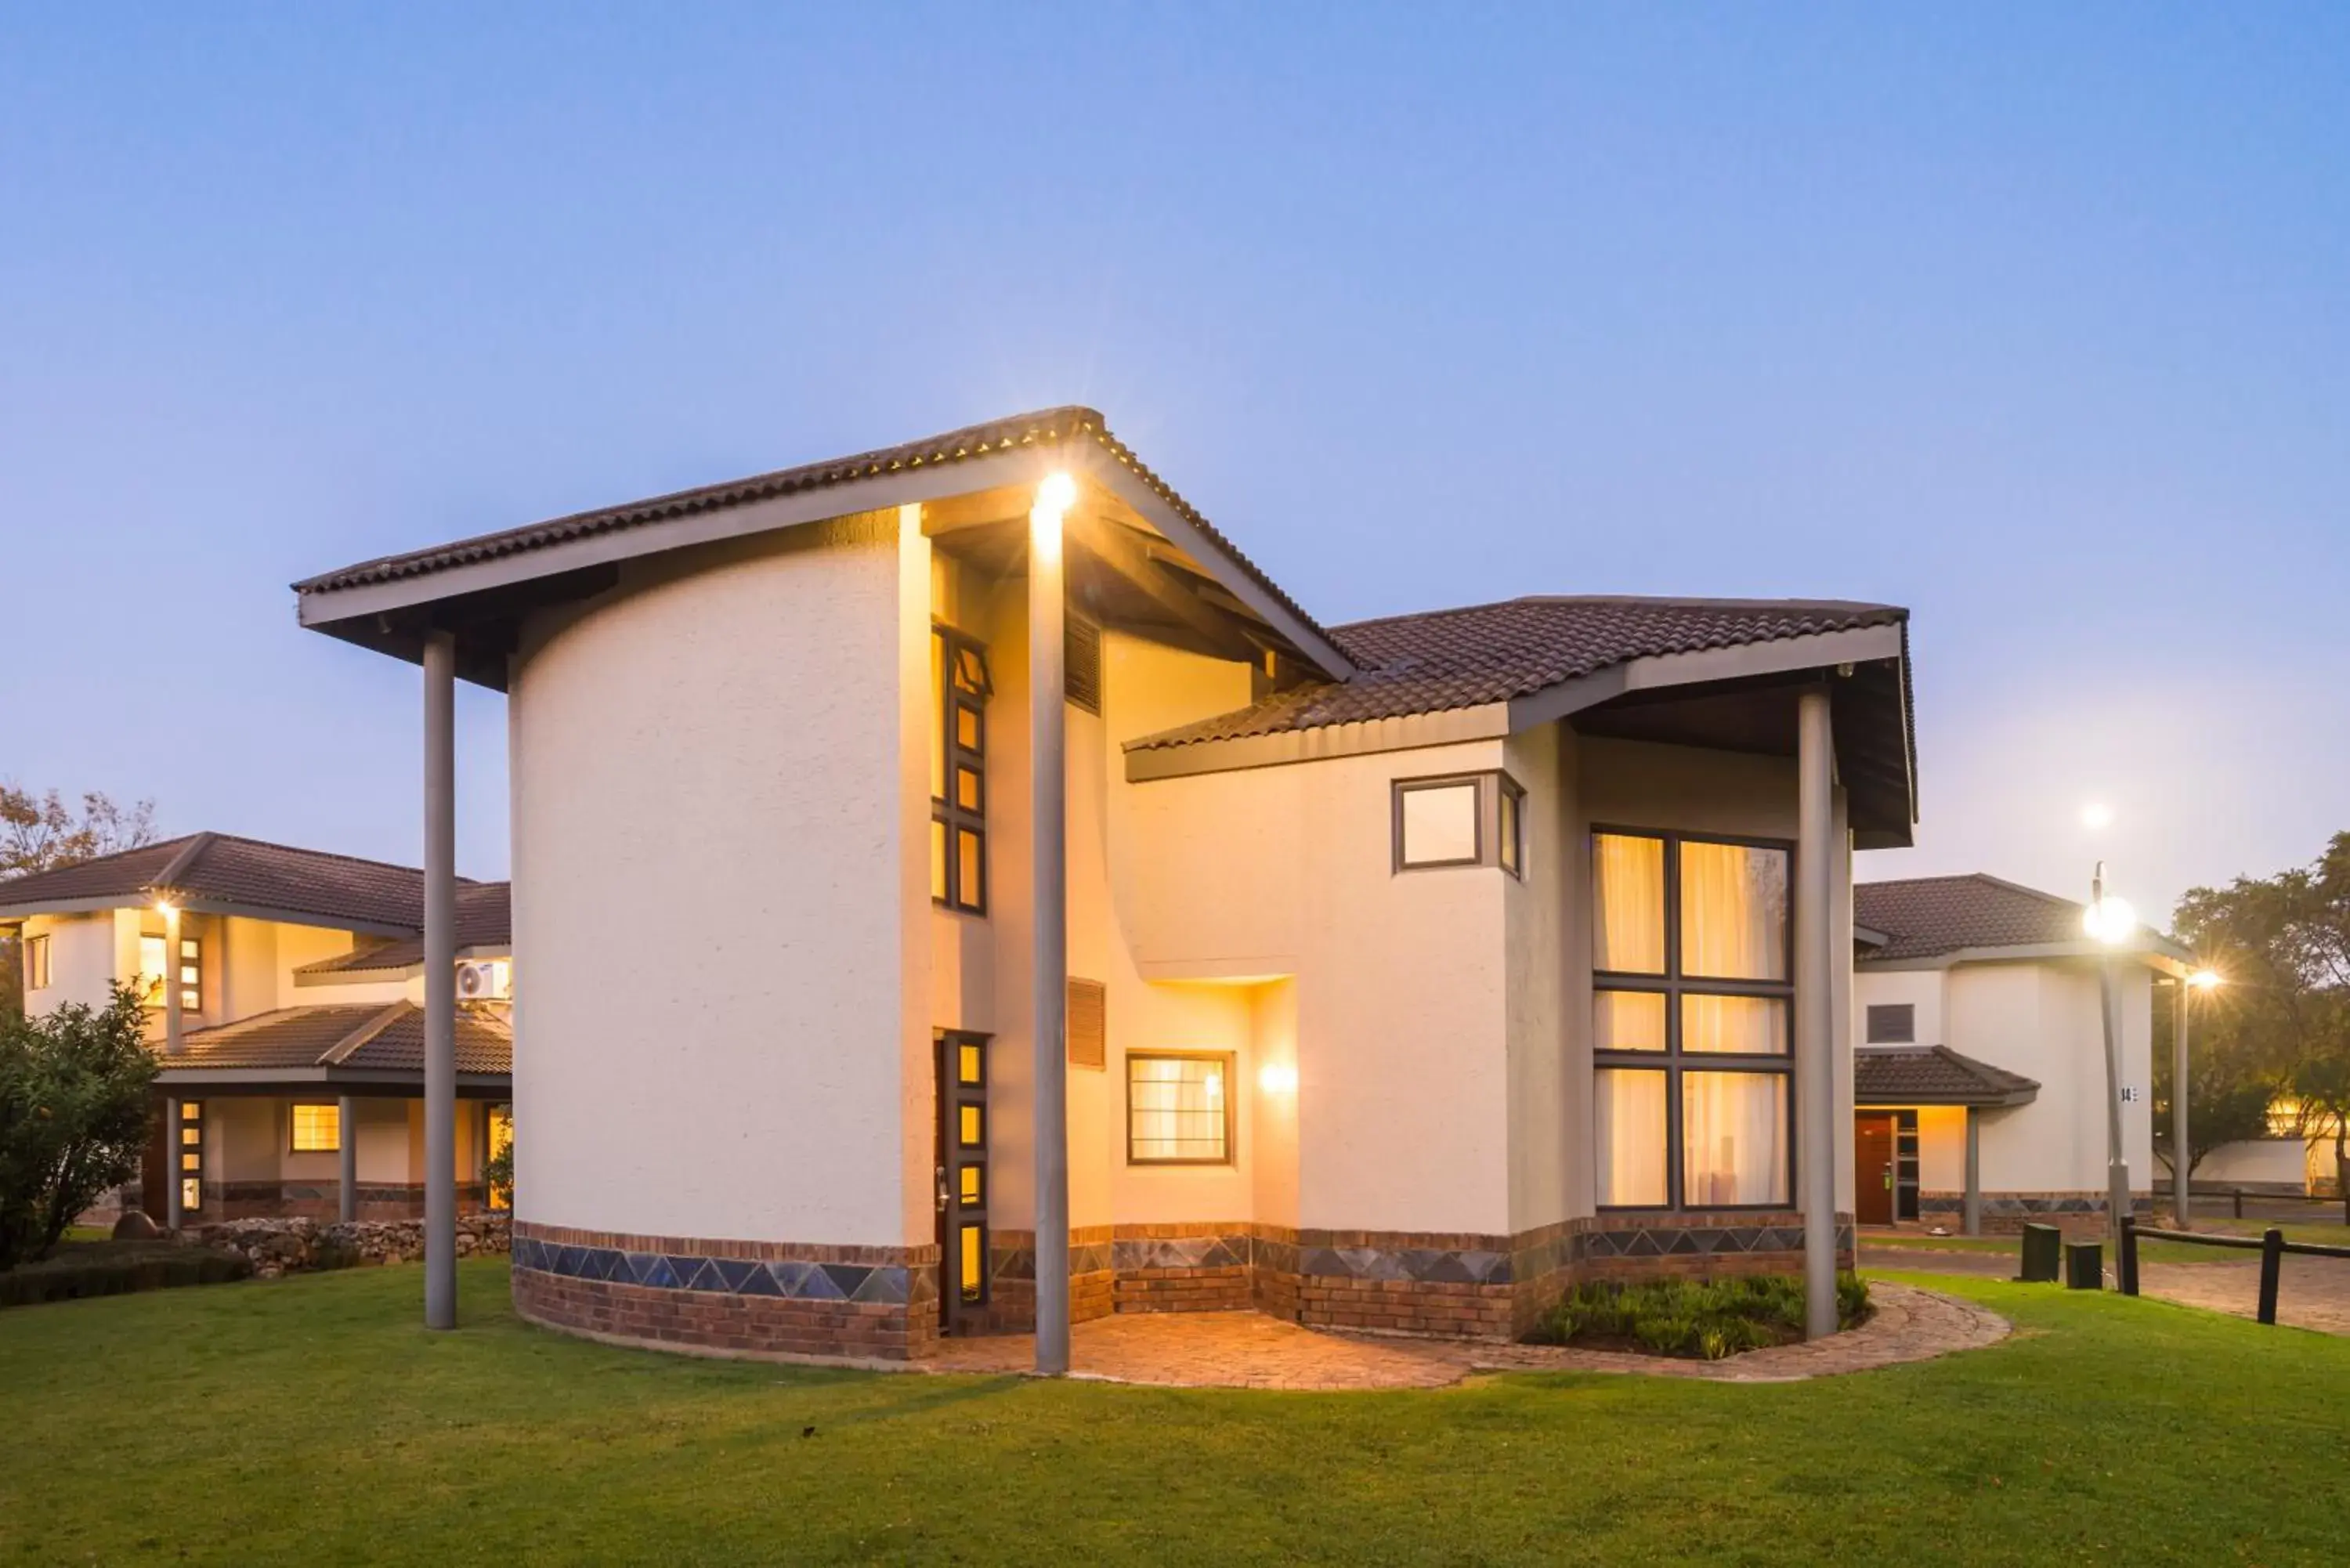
176, 1212
1972, 1213
1048, 804
175, 1039
2117, 1186
440, 981
2182, 1197
346, 1201
1816, 858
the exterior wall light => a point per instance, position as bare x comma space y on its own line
2110, 921
165, 907
1055, 496
1277, 1078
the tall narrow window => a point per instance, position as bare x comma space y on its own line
190, 1174
1690, 1027
960, 687
191, 974
36, 963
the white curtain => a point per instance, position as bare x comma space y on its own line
1629, 891
1733, 911
1733, 1138
1746, 1026
1630, 1116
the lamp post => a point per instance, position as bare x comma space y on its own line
2182, 1199
2112, 922
1048, 866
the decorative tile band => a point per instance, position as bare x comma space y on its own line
705, 1269
2028, 1203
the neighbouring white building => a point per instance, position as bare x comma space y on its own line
1981, 1064
1398, 974
284, 991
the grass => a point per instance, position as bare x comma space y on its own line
313, 1420
1695, 1319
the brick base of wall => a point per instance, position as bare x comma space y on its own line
224, 1200
2007, 1213
762, 1298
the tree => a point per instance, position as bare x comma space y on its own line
38, 833
2229, 1093
2283, 944
74, 1107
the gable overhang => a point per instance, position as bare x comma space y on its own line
405, 1081
1867, 667
481, 600
2158, 953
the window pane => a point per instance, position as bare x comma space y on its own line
973, 1265
967, 788
971, 888
975, 1186
1733, 911
1439, 825
1175, 1108
1747, 1025
971, 670
939, 714
1629, 1020
967, 1062
318, 1129
1628, 888
1733, 1138
971, 1127
938, 860
1511, 830
1629, 1119
151, 969
966, 722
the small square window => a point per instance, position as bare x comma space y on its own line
318, 1129
1892, 1024
1437, 824
1178, 1110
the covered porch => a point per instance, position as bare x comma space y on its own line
1918, 1122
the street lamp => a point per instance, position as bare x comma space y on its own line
2113, 923
2182, 1198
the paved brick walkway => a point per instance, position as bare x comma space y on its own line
1247, 1350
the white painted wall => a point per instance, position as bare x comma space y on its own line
710, 820
1921, 988
2043, 1019
2264, 1162
82, 960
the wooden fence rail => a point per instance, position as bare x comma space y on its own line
2272, 1246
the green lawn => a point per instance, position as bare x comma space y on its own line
313, 1421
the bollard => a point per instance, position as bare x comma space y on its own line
2043, 1253
2272, 1267
2126, 1257
2085, 1265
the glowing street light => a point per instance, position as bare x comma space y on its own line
2205, 980
2096, 817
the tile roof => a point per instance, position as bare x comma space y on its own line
1933, 1075
220, 868
484, 922
1926, 917
1441, 659
1044, 427
366, 1036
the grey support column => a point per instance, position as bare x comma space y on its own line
176, 1211
2182, 1198
346, 1198
2117, 1185
1973, 1211
1817, 857
440, 981
1048, 804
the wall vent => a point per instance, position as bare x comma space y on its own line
1081, 663
1087, 1024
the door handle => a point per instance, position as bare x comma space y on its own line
942, 1189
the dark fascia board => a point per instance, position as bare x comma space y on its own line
2157, 952
377, 1080
1984, 1102
205, 906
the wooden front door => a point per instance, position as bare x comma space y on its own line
1872, 1168
963, 1178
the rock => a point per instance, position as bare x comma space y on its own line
280, 1247
134, 1226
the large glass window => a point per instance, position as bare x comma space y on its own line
1690, 1025
958, 690
1178, 1110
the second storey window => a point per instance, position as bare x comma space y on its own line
36, 963
1465, 819
1690, 1018
959, 688
155, 971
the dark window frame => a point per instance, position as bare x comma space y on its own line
36, 963
1490, 786
1674, 1061
1231, 1156
1905, 1012
945, 809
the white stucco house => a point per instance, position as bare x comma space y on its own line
284, 991
1391, 974
1980, 1067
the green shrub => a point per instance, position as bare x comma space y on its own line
1707, 1320
74, 1107
81, 1269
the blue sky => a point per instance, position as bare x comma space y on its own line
2036, 321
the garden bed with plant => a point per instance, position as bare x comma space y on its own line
75, 1269
1697, 1320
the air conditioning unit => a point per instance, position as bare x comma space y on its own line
491, 979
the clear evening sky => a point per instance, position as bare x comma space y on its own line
2034, 319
